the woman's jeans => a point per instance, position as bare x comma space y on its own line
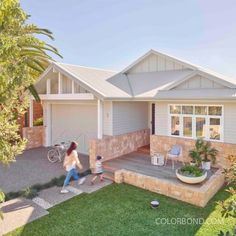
72, 173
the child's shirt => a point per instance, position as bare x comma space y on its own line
98, 167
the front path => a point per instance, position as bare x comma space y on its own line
18, 212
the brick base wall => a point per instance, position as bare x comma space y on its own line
111, 147
196, 196
34, 135
37, 113
163, 143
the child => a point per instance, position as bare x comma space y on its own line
98, 170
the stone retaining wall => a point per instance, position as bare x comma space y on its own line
163, 143
183, 192
111, 147
35, 136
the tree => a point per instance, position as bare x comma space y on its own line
23, 57
229, 207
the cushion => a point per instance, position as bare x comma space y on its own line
175, 150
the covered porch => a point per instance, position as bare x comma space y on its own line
136, 169
71, 111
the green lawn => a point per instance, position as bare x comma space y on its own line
124, 210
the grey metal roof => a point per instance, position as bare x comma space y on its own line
147, 85
96, 79
224, 94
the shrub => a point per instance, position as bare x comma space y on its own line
29, 193
191, 171
203, 151
38, 122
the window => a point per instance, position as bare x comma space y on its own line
195, 121
175, 125
200, 127
215, 111
200, 110
187, 110
214, 128
175, 109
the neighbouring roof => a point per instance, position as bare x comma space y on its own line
147, 85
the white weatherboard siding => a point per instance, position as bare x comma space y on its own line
230, 123
74, 122
66, 84
107, 118
199, 82
161, 118
156, 63
229, 118
129, 117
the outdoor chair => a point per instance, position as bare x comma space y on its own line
175, 154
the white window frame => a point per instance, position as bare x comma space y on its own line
207, 119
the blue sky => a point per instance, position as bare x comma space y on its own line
113, 33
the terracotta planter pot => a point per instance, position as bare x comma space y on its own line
190, 179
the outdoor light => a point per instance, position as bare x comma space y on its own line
155, 204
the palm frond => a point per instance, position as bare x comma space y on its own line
34, 93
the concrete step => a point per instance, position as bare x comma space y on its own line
109, 168
108, 175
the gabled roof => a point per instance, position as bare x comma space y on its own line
220, 77
92, 79
107, 84
150, 52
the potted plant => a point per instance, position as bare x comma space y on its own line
196, 158
191, 174
209, 155
195, 153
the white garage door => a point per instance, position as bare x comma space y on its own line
74, 122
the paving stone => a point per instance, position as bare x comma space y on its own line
54, 197
41, 202
74, 190
88, 188
18, 212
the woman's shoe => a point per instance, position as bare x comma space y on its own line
64, 190
81, 181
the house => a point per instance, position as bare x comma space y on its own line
158, 99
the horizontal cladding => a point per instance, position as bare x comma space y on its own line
129, 117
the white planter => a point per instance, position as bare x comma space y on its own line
191, 180
206, 165
193, 163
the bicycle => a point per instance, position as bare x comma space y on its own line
57, 153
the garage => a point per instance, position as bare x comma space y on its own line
74, 122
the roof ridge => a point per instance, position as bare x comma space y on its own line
88, 67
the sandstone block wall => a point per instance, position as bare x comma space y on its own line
162, 144
111, 147
34, 135
187, 193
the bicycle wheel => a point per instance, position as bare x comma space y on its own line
53, 155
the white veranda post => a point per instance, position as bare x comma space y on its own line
100, 119
31, 113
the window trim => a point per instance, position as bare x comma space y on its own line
207, 118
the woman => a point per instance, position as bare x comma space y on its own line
70, 162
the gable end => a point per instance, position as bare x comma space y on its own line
199, 82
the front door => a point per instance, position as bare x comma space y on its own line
153, 118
